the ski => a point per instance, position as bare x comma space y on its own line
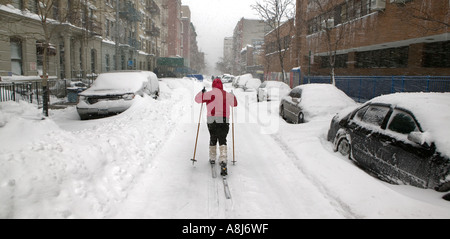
213, 170
225, 186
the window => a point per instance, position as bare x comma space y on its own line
93, 60
296, 93
383, 58
33, 6
359, 115
375, 115
402, 122
437, 55
107, 62
55, 10
16, 56
339, 62
17, 4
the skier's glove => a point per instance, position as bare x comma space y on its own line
204, 90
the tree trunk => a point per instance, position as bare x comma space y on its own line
45, 89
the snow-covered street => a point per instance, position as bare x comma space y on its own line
137, 165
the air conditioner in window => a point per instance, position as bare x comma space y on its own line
329, 23
399, 1
378, 5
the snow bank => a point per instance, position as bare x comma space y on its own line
62, 167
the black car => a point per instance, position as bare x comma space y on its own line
401, 138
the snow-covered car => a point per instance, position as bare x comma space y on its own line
113, 93
227, 78
242, 80
252, 85
306, 102
401, 138
272, 90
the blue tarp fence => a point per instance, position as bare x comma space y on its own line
364, 88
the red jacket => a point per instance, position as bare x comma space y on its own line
218, 101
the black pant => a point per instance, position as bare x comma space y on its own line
218, 132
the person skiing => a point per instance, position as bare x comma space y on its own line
218, 104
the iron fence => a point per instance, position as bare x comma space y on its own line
364, 88
31, 90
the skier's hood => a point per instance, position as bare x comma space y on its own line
217, 83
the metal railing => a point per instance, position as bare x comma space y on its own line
31, 90
364, 88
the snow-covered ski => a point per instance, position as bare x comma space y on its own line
213, 170
225, 186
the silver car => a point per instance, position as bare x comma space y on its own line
306, 102
113, 93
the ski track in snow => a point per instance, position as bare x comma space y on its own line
344, 208
337, 204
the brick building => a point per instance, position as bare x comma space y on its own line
276, 47
373, 37
174, 23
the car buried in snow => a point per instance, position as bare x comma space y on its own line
401, 138
309, 101
113, 93
272, 90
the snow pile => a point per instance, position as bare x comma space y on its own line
62, 167
243, 80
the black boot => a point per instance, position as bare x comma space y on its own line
223, 169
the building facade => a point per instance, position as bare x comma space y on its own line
373, 37
247, 32
174, 27
276, 48
86, 37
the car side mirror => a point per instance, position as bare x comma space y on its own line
418, 138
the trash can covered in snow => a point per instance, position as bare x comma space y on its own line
73, 90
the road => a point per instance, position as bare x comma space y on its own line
264, 183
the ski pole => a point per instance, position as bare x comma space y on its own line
198, 129
232, 132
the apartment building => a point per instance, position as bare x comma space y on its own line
174, 28
186, 31
373, 37
247, 32
85, 37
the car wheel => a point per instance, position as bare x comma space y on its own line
301, 118
84, 117
344, 147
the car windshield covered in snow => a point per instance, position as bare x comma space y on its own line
123, 81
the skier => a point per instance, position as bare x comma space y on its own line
218, 103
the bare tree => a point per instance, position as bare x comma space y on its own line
44, 11
275, 13
334, 35
426, 15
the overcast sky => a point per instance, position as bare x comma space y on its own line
214, 20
